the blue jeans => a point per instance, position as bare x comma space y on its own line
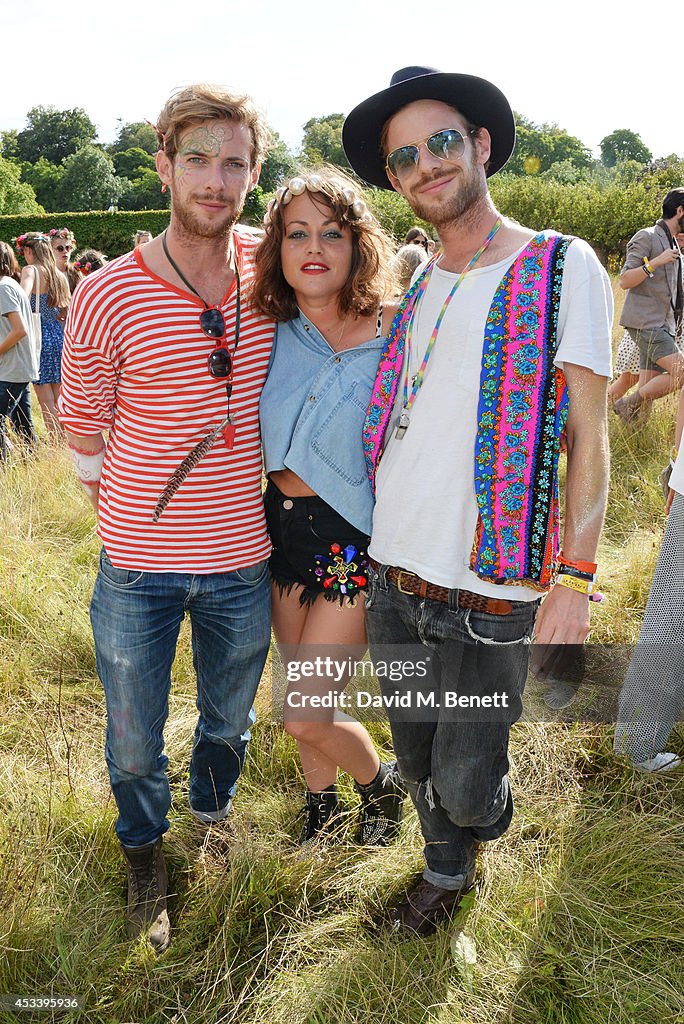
455, 760
136, 618
15, 403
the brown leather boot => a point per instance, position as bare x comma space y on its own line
147, 887
426, 907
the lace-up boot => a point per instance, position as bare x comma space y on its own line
321, 815
382, 804
147, 887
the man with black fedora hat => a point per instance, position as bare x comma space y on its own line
498, 358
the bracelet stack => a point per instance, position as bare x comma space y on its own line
647, 268
578, 576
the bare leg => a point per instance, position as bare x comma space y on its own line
660, 384
621, 386
337, 741
289, 619
47, 395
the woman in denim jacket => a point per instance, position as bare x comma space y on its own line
322, 274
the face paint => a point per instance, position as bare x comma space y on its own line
205, 141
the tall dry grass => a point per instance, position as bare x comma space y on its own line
577, 916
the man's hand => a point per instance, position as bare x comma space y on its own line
562, 621
670, 499
665, 257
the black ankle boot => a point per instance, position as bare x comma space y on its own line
322, 811
382, 805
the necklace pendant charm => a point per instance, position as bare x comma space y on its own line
229, 435
404, 422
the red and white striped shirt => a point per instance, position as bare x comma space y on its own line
135, 363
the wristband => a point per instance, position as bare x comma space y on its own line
581, 586
88, 466
575, 563
647, 268
578, 585
569, 570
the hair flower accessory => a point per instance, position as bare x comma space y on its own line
315, 183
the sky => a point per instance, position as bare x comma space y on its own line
590, 66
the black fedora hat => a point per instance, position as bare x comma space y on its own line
481, 102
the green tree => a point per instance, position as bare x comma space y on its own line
539, 146
623, 144
135, 134
278, 166
145, 192
16, 196
54, 134
129, 163
8, 145
393, 212
90, 181
46, 181
322, 141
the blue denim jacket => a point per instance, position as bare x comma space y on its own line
312, 410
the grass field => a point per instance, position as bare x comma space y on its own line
577, 918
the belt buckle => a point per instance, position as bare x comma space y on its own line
405, 572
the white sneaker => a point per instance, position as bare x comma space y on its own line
664, 762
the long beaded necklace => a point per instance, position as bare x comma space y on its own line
405, 417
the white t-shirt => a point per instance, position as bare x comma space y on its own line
426, 514
677, 476
21, 363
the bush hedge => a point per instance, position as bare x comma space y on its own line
111, 233
606, 217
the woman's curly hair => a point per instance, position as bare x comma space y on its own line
371, 279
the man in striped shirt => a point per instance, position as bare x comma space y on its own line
163, 351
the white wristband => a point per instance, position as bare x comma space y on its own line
88, 466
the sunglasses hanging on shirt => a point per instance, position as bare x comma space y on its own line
220, 366
213, 325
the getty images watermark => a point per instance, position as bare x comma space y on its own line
311, 682
339, 672
416, 683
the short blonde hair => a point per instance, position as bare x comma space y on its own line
203, 102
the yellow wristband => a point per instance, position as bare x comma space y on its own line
573, 583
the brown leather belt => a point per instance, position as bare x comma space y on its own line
408, 583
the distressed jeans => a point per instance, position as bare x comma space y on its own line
136, 618
454, 760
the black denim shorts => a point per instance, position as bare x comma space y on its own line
314, 548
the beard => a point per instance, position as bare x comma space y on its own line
449, 209
192, 224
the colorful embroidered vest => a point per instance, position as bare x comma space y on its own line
521, 415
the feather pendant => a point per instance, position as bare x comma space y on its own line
185, 468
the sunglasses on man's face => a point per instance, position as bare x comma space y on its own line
449, 144
63, 248
213, 325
